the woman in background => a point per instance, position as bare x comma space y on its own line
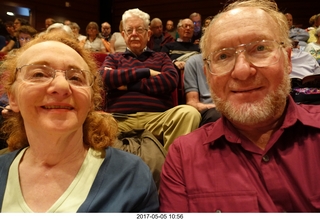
93, 42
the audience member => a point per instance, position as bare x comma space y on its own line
67, 22
10, 29
139, 85
158, 37
180, 51
93, 42
197, 90
171, 29
106, 31
61, 28
19, 22
3, 33
76, 31
206, 23
183, 46
312, 37
62, 160
197, 32
314, 47
262, 155
117, 43
48, 22
14, 43
105, 35
297, 33
24, 34
311, 22
303, 63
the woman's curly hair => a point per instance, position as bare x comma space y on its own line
99, 129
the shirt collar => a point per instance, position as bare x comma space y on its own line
145, 50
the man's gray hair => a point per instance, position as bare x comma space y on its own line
136, 13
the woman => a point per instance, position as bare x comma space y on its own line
117, 43
93, 42
76, 31
61, 161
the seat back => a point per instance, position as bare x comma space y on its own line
99, 57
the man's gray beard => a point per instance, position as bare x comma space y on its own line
253, 113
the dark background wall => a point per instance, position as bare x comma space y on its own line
84, 11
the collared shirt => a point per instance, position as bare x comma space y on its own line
216, 169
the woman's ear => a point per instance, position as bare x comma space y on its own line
13, 102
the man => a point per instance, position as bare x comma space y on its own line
170, 29
180, 51
106, 35
139, 85
196, 19
106, 31
197, 90
262, 155
297, 33
183, 45
158, 37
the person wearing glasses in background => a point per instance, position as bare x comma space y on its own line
183, 45
60, 158
139, 85
262, 155
197, 33
15, 43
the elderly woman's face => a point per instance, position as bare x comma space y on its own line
92, 30
59, 105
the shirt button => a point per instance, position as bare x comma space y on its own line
218, 211
265, 158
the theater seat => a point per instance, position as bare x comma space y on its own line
100, 57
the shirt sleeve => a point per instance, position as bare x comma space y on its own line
163, 83
190, 76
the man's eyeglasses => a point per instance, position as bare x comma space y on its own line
185, 26
139, 30
27, 39
42, 74
259, 53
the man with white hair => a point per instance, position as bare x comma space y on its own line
139, 85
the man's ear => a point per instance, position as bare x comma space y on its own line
289, 68
149, 34
205, 69
13, 102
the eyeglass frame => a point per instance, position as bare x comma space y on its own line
86, 73
142, 30
237, 52
184, 26
27, 39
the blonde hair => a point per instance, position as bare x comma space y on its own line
99, 129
